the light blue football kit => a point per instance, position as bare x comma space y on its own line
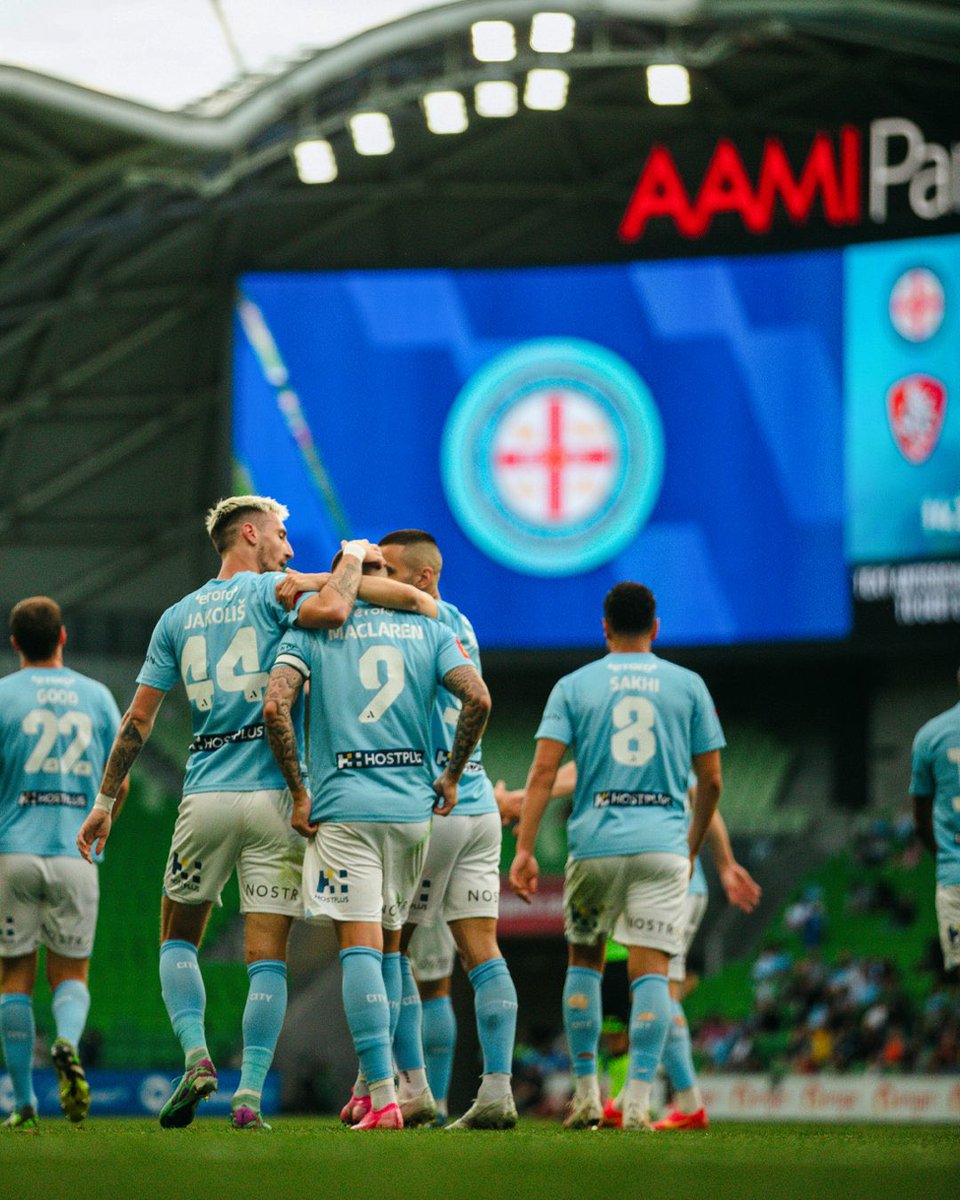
461, 880
373, 688
936, 773
56, 730
221, 640
374, 683
475, 791
635, 722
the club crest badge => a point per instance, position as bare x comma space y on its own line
553, 456
917, 304
916, 407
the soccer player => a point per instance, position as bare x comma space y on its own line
741, 890
460, 887
235, 814
638, 724
56, 727
373, 688
432, 954
935, 792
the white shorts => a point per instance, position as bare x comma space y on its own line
52, 901
364, 871
461, 877
948, 919
432, 952
636, 898
694, 907
217, 832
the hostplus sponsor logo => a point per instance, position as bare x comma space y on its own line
473, 767
186, 873
632, 799
360, 760
334, 885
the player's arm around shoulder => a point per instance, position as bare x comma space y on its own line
332, 605
391, 593
466, 683
136, 725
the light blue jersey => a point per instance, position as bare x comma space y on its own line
222, 640
635, 721
56, 730
936, 773
373, 688
475, 791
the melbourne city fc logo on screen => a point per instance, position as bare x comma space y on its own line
553, 456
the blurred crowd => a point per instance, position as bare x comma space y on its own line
816, 1010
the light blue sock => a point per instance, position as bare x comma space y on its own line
18, 1032
393, 981
678, 1053
495, 1001
407, 1038
439, 1042
582, 1017
649, 1025
181, 985
368, 1014
71, 1003
262, 1022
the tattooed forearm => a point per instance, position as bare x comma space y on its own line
126, 749
466, 684
346, 578
282, 690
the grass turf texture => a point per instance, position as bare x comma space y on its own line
315, 1157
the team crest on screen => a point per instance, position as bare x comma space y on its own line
916, 407
917, 304
553, 456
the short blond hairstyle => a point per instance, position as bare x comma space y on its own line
225, 518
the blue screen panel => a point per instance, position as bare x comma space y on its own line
560, 429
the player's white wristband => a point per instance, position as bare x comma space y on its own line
104, 803
357, 550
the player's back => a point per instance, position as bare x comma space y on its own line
475, 791
373, 685
936, 771
56, 730
221, 640
635, 721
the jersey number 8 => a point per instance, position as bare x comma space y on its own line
635, 743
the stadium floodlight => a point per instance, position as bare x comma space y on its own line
552, 33
546, 89
446, 112
315, 161
668, 83
372, 133
493, 41
496, 98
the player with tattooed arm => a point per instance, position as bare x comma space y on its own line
367, 810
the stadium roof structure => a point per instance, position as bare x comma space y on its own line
126, 215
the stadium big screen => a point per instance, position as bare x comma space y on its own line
771, 443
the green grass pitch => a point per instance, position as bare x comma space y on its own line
316, 1159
